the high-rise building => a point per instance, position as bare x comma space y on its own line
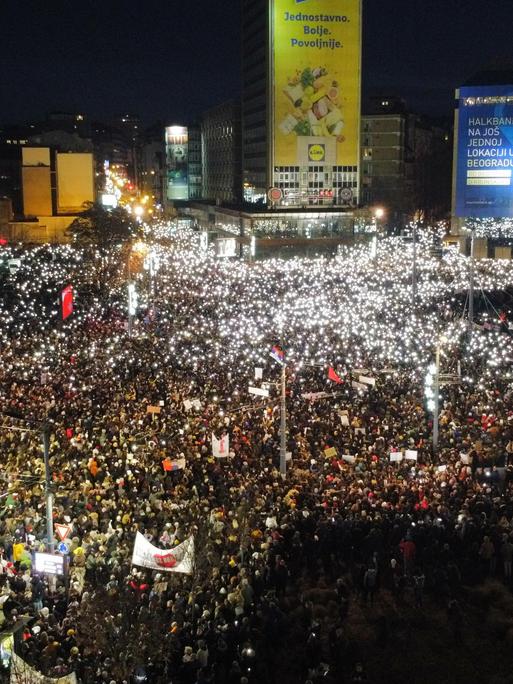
152, 164
183, 162
301, 102
220, 143
194, 167
405, 162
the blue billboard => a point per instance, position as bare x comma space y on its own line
484, 163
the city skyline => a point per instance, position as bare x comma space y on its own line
170, 61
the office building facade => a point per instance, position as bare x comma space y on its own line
221, 152
405, 162
183, 163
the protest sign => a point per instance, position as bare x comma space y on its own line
178, 559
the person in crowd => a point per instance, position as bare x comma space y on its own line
345, 518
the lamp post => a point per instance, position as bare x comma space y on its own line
379, 212
283, 424
432, 392
414, 267
277, 355
436, 389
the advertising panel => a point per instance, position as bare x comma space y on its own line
37, 191
177, 148
484, 153
75, 181
316, 58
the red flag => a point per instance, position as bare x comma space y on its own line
333, 376
67, 302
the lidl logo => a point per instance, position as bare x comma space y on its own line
316, 152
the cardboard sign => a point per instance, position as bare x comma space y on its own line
366, 380
258, 391
330, 453
153, 409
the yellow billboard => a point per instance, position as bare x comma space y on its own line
316, 81
75, 181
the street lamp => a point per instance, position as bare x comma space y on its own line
132, 306
414, 266
379, 213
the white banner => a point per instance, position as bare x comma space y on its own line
220, 447
410, 455
367, 380
178, 559
258, 391
348, 458
359, 385
259, 373
313, 396
22, 673
396, 456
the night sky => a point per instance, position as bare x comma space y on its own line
169, 60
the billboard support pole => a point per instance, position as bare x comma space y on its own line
471, 285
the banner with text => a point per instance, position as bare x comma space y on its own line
178, 559
316, 75
484, 160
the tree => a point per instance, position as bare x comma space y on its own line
102, 228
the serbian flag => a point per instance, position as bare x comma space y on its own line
278, 354
333, 376
67, 302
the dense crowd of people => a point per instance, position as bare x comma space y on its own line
365, 506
